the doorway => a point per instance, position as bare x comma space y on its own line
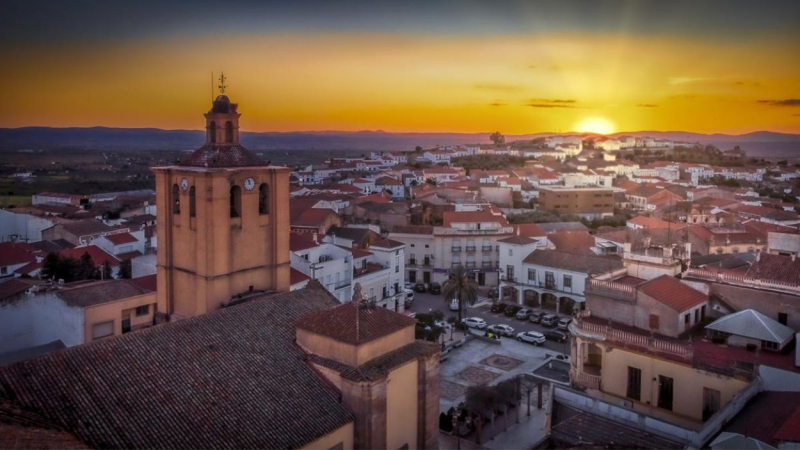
412, 276
426, 277
481, 279
665, 388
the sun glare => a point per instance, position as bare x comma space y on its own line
595, 125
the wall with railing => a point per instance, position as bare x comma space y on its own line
626, 337
739, 279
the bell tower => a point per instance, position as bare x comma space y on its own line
223, 222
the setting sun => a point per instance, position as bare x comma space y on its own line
595, 125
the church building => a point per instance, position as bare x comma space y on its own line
235, 359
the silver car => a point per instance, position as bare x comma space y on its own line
531, 337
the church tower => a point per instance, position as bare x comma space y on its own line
223, 222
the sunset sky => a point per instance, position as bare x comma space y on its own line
462, 66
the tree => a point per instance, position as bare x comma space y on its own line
86, 269
461, 287
497, 138
107, 273
125, 269
418, 149
51, 266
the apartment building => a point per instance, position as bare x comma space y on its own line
589, 202
467, 238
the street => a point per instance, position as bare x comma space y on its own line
424, 303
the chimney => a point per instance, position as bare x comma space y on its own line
314, 237
758, 255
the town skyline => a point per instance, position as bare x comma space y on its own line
517, 68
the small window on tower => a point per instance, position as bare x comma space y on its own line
176, 199
236, 201
212, 132
263, 199
228, 132
191, 202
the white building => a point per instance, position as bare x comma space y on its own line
23, 227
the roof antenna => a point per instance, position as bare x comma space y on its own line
212, 86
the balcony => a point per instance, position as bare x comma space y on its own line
588, 326
455, 249
411, 262
426, 263
585, 379
471, 248
486, 264
612, 289
486, 248
470, 264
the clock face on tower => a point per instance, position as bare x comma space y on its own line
184, 184
249, 184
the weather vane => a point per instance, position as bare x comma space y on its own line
222, 85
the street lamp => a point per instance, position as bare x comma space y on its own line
456, 414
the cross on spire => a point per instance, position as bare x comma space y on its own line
222, 85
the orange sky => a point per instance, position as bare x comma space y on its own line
519, 83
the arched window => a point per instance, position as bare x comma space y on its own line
263, 199
176, 199
228, 131
212, 132
191, 202
236, 201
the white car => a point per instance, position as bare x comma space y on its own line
408, 295
501, 329
475, 322
531, 337
454, 304
408, 285
442, 324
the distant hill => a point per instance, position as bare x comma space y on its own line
761, 143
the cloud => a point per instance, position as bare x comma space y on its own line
646, 105
497, 104
498, 87
684, 80
787, 102
751, 84
550, 103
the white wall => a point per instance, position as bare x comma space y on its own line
27, 227
38, 320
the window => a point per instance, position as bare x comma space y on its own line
654, 322
176, 199
3, 270
192, 210
228, 132
532, 274
101, 330
710, 402
696, 315
567, 281
212, 132
236, 201
783, 318
686, 318
769, 345
142, 310
634, 383
263, 199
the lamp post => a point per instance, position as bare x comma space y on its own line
457, 432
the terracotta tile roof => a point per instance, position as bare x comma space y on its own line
387, 243
770, 417
339, 323
13, 253
451, 217
20, 429
652, 222
220, 380
295, 276
671, 292
86, 227
790, 430
573, 241
301, 241
775, 268
98, 255
312, 217
412, 229
147, 282
573, 261
530, 230
121, 238
27, 269
379, 368
517, 240
222, 156
99, 292
12, 287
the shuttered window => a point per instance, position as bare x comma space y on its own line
634, 383
101, 330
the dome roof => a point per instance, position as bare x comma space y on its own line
223, 105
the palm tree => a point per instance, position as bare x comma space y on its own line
461, 287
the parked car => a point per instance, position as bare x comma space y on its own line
550, 320
531, 337
421, 288
454, 304
442, 324
523, 314
475, 322
512, 310
408, 295
501, 329
563, 323
554, 335
408, 285
536, 316
498, 307
436, 288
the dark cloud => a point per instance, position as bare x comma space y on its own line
549, 105
787, 102
550, 100
646, 105
497, 104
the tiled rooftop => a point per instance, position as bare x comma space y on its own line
340, 323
